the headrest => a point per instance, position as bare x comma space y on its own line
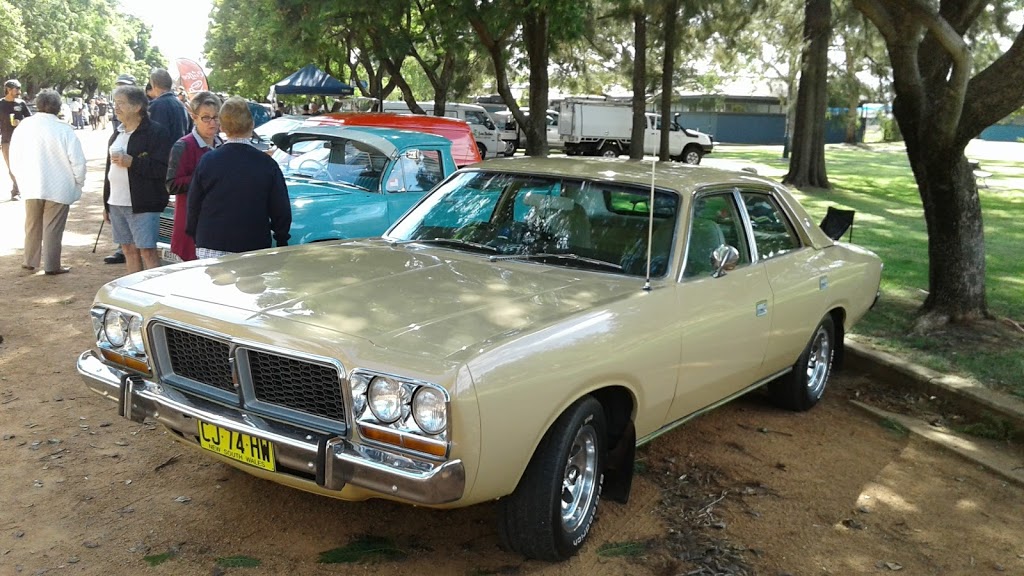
543, 201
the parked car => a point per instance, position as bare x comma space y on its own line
348, 182
487, 135
464, 150
512, 337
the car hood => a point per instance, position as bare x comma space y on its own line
412, 298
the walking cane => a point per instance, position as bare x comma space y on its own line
98, 236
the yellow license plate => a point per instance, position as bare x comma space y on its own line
237, 446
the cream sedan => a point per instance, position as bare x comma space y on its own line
515, 336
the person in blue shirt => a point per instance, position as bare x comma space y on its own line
165, 109
238, 200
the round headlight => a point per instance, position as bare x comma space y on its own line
115, 328
384, 396
135, 336
428, 408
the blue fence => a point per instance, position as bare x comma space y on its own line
743, 128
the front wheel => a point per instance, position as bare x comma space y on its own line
804, 386
549, 514
482, 150
692, 154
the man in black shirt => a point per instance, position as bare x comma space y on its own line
12, 111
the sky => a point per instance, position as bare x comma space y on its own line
179, 26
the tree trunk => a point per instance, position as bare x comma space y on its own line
956, 236
807, 166
952, 213
535, 38
636, 142
671, 18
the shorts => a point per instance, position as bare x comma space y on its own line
140, 229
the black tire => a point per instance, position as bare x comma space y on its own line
692, 154
804, 386
510, 148
536, 520
609, 151
482, 150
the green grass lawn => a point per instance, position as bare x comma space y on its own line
877, 183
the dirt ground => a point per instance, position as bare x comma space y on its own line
747, 489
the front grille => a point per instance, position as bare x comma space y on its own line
166, 227
199, 358
269, 383
296, 384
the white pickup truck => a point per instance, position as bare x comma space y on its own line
598, 128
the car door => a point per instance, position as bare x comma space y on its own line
652, 136
725, 320
413, 174
797, 274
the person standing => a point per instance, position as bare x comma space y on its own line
101, 109
185, 155
165, 109
238, 200
48, 160
12, 111
133, 188
122, 80
76, 113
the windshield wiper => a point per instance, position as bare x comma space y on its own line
451, 242
566, 256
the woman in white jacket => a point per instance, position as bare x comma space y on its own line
47, 160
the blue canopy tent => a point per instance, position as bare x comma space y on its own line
311, 80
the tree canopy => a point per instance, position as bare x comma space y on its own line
73, 44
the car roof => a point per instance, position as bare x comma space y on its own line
464, 150
669, 175
387, 140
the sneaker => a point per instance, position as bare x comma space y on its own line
115, 258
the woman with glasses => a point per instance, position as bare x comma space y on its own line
205, 136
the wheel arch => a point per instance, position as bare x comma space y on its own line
838, 315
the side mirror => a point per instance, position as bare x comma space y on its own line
723, 259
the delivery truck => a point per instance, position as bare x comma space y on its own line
600, 128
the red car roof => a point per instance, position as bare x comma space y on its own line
464, 150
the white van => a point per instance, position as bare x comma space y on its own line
488, 137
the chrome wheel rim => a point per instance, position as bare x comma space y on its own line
579, 483
692, 158
609, 154
818, 361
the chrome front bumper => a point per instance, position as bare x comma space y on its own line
306, 459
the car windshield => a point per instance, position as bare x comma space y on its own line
559, 221
337, 160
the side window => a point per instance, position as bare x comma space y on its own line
416, 171
715, 220
475, 117
773, 234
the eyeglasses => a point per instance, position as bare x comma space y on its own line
208, 119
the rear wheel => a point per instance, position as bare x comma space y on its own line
609, 151
550, 513
804, 386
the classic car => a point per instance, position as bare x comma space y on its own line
514, 336
348, 182
464, 150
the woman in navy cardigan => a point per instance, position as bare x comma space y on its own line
238, 200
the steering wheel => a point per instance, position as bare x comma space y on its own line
319, 171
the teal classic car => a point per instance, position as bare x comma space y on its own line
348, 182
